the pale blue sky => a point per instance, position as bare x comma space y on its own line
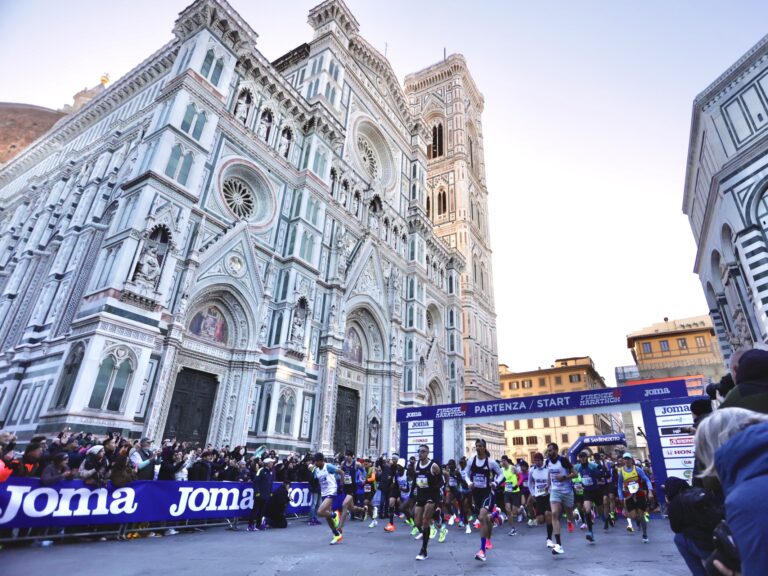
586, 132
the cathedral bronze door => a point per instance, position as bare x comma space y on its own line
191, 405
345, 430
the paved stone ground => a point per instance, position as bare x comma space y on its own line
304, 550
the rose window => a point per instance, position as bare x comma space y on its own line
239, 197
368, 156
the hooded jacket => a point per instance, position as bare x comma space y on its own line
693, 511
751, 391
742, 465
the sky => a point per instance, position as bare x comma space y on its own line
586, 127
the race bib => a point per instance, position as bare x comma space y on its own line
633, 487
480, 482
579, 488
509, 488
347, 479
452, 481
422, 482
586, 480
367, 488
541, 489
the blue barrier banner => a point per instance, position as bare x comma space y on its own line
602, 440
25, 502
586, 399
670, 443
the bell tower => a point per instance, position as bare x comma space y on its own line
446, 98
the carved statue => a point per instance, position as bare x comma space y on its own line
241, 109
298, 328
285, 144
149, 266
263, 333
332, 317
264, 125
355, 205
373, 435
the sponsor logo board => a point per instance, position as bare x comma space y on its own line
674, 431
672, 410
672, 463
674, 441
680, 420
683, 452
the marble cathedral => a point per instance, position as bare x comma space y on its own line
224, 249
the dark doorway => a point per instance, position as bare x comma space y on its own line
190, 414
345, 430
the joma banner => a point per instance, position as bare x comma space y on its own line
24, 502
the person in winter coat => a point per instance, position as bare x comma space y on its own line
277, 505
751, 391
57, 470
29, 463
94, 470
693, 515
733, 446
262, 490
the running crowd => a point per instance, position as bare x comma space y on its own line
485, 494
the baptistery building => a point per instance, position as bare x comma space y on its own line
726, 199
226, 249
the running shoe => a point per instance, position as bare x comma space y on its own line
373, 523
336, 539
422, 555
612, 520
251, 528
590, 537
645, 539
520, 517
419, 536
461, 524
480, 556
488, 544
432, 532
550, 544
583, 526
630, 529
512, 532
443, 534
570, 526
451, 520
477, 524
389, 527
647, 517
469, 529
558, 550
410, 522
415, 530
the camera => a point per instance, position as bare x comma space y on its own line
725, 550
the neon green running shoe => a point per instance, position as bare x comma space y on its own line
432, 532
443, 534
415, 530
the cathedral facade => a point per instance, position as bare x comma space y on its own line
223, 249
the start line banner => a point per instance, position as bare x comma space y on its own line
583, 400
25, 502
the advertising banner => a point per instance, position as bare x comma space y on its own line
669, 442
608, 398
25, 502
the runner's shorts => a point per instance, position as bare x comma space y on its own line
349, 489
591, 495
541, 504
565, 498
427, 496
481, 499
636, 503
513, 498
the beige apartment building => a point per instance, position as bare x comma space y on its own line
525, 437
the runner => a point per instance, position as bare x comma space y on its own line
326, 476
483, 475
428, 475
369, 492
512, 494
399, 491
465, 498
561, 491
539, 484
631, 494
525, 493
384, 472
350, 469
453, 499
588, 471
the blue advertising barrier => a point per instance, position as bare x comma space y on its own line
25, 502
670, 444
604, 440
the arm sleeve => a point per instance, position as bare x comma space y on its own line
496, 469
331, 468
647, 480
467, 470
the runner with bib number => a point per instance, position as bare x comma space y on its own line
631, 493
483, 475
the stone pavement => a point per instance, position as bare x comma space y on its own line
304, 550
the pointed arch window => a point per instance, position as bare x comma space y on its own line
435, 149
265, 417
285, 408
429, 215
69, 375
189, 117
217, 70
197, 131
112, 381
207, 63
179, 165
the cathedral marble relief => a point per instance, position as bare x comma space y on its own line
227, 250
